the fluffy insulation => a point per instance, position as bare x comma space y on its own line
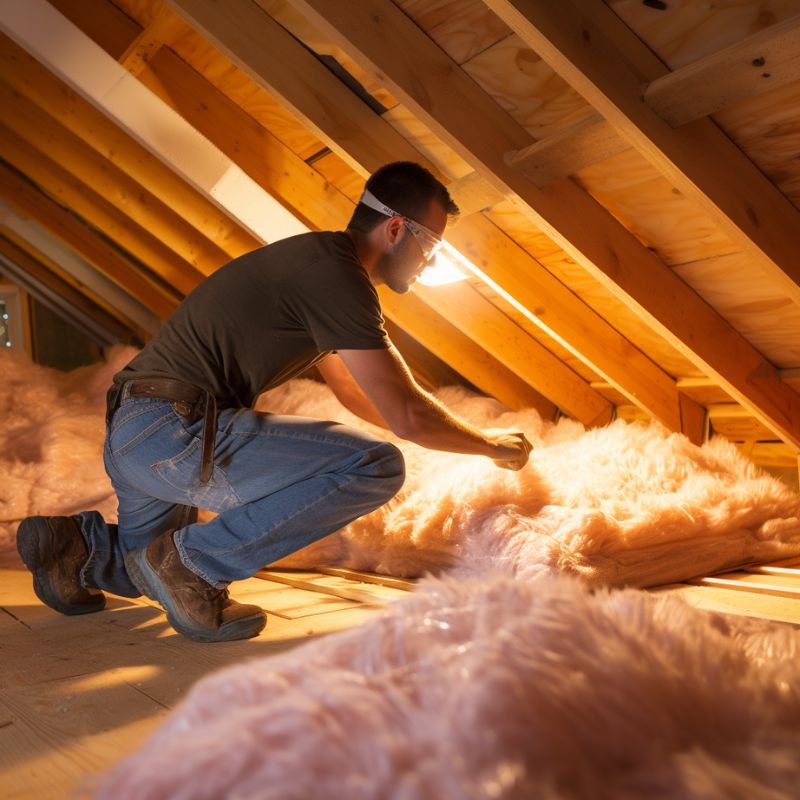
495, 688
628, 504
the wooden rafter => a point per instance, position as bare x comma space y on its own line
758, 64
471, 360
657, 394
383, 39
99, 252
72, 191
589, 46
307, 194
39, 278
181, 241
35, 82
264, 50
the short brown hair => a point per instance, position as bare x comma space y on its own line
406, 187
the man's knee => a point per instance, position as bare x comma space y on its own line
388, 464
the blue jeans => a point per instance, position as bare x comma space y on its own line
279, 483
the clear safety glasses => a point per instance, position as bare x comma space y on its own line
427, 239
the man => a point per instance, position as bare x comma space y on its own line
181, 433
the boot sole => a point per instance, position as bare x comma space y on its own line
147, 582
33, 537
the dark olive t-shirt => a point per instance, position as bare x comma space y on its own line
265, 317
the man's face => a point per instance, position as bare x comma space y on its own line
403, 260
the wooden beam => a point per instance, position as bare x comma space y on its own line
758, 64
277, 62
97, 250
162, 31
473, 193
35, 82
589, 46
196, 255
496, 333
428, 82
70, 267
235, 34
567, 151
297, 185
72, 192
321, 204
566, 318
37, 277
467, 356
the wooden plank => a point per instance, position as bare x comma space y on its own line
472, 193
162, 30
757, 64
498, 335
102, 254
565, 152
455, 107
370, 577
745, 586
462, 28
370, 597
569, 321
270, 163
730, 601
471, 360
122, 192
271, 57
81, 199
35, 82
603, 59
736, 423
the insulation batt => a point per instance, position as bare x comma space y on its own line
628, 504
495, 688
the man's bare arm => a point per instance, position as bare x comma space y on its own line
412, 413
347, 391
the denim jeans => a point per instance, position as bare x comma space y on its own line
279, 483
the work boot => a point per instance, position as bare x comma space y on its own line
195, 608
54, 550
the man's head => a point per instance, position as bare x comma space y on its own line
403, 212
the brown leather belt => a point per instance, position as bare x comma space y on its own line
188, 400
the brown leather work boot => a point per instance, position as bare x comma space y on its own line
194, 607
54, 550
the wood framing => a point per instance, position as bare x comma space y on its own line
107, 258
383, 39
760, 63
596, 53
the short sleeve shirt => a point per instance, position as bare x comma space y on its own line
265, 317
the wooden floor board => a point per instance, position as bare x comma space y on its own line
79, 693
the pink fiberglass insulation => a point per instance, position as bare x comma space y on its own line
628, 504
495, 688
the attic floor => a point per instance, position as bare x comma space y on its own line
79, 693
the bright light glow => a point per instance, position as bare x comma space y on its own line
445, 269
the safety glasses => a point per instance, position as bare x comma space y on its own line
426, 238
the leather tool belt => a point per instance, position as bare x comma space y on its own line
188, 400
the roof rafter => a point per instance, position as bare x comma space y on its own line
104, 256
426, 80
591, 48
238, 48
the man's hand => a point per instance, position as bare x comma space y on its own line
511, 449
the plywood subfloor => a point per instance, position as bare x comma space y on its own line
79, 693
